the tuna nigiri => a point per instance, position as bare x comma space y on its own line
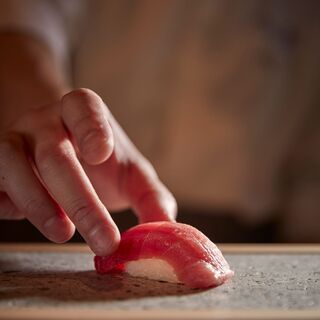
168, 251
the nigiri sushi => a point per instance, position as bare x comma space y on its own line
168, 251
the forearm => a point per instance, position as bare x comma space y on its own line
30, 76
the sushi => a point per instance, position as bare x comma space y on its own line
168, 251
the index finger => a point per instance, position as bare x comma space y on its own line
66, 180
84, 114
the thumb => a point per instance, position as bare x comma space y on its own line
148, 196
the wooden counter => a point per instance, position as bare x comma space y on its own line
41, 281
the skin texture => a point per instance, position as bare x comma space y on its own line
64, 160
196, 261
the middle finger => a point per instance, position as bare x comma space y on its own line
66, 180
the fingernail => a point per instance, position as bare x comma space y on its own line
57, 229
103, 240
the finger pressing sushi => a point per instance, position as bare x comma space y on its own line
168, 251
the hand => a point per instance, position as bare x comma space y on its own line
62, 165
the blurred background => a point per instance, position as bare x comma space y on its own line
223, 97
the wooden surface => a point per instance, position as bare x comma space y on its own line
40, 281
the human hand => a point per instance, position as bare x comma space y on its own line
63, 165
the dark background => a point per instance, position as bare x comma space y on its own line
220, 227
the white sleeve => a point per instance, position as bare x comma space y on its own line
50, 20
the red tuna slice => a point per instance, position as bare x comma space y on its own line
193, 258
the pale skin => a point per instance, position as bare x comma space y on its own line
64, 159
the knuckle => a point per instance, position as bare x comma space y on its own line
35, 207
92, 136
90, 117
80, 211
52, 152
82, 96
88, 126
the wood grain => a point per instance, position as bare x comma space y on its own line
226, 248
93, 314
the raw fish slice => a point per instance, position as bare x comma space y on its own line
169, 251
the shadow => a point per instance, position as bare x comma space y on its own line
83, 286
